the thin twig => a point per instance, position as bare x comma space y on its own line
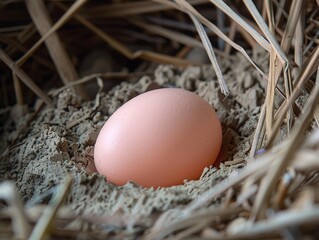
17, 89
24, 77
211, 54
42, 228
258, 132
270, 94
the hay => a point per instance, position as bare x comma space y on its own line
261, 76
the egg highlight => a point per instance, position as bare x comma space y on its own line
159, 139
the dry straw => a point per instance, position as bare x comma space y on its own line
274, 196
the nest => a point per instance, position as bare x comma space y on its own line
67, 66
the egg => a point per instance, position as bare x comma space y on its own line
158, 139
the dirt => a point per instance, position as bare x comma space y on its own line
59, 141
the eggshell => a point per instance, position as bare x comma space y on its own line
159, 138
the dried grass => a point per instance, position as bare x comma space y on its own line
274, 196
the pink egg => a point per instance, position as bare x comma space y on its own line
159, 138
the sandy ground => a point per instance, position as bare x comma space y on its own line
59, 141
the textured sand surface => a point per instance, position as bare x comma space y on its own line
60, 141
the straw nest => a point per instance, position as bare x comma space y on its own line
274, 196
